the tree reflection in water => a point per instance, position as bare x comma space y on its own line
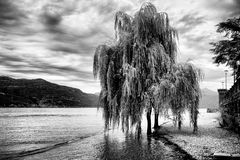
128, 147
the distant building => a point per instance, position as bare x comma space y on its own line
229, 103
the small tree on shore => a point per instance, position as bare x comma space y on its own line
139, 73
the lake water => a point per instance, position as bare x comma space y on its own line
69, 133
24, 129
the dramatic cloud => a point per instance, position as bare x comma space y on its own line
56, 39
10, 15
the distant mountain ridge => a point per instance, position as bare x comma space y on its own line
209, 99
41, 93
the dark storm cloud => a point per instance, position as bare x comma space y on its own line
9, 47
61, 38
10, 15
53, 11
51, 18
69, 43
23, 65
62, 71
6, 59
63, 48
80, 48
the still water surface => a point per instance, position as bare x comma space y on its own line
70, 133
25, 129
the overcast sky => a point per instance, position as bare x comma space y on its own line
55, 40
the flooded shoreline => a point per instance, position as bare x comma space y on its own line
73, 133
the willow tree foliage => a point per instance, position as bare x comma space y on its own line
139, 73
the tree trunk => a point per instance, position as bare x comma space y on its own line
156, 121
179, 121
195, 126
139, 130
149, 131
179, 125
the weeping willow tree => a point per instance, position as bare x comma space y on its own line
140, 68
179, 91
187, 92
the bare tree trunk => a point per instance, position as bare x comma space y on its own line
195, 127
139, 130
156, 121
149, 131
179, 121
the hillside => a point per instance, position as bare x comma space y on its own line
209, 99
41, 93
